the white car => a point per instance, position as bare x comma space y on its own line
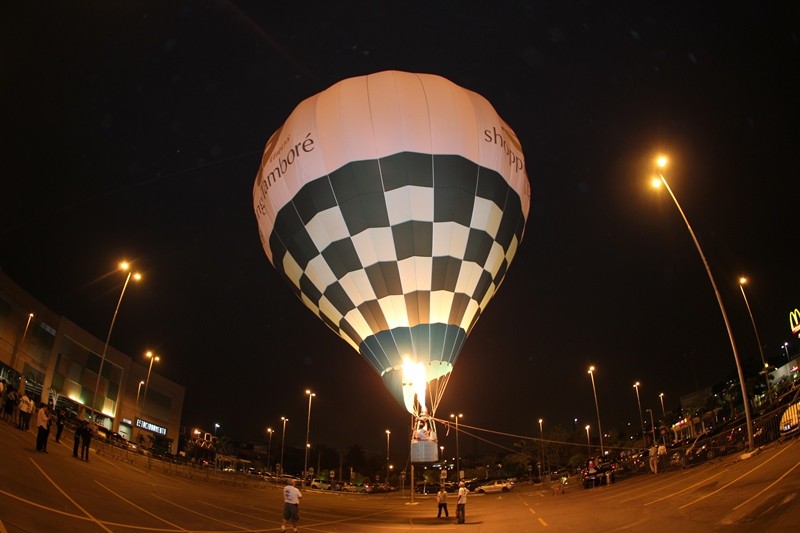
320, 484
497, 485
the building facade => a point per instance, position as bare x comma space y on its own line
57, 362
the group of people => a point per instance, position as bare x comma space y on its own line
18, 409
82, 439
654, 455
461, 503
292, 495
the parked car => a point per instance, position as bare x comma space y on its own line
496, 485
597, 473
350, 487
320, 484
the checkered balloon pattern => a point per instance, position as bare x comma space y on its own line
400, 255
393, 221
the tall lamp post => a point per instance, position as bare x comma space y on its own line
136, 412
652, 425
661, 180
283, 440
125, 266
216, 427
661, 397
541, 443
588, 439
308, 432
786, 349
597, 408
639, 403
22, 342
388, 433
458, 457
153, 358
742, 283
269, 450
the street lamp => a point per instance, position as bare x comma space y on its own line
742, 282
22, 342
597, 408
541, 442
786, 349
308, 432
652, 425
661, 397
588, 439
657, 182
153, 358
639, 403
136, 276
388, 433
216, 427
458, 457
269, 449
283, 437
136, 411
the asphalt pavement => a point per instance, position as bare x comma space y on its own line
118, 491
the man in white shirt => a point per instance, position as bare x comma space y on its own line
461, 504
291, 505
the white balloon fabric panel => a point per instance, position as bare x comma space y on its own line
394, 203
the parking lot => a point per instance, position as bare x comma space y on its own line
119, 492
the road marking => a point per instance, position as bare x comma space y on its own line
76, 504
140, 508
687, 488
735, 480
767, 487
198, 513
542, 522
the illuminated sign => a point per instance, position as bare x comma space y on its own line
149, 426
794, 321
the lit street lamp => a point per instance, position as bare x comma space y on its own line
661, 397
308, 432
22, 342
597, 408
458, 457
216, 427
283, 436
153, 358
541, 442
786, 349
588, 439
136, 411
269, 449
657, 182
388, 433
639, 403
742, 283
136, 276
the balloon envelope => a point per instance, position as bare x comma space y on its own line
393, 203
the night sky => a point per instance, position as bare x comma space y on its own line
134, 131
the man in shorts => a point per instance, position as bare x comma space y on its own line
291, 505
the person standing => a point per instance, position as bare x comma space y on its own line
653, 458
441, 499
461, 504
77, 438
291, 505
86, 439
43, 428
61, 420
25, 409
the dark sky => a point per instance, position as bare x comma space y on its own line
134, 130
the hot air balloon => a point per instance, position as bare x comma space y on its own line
393, 203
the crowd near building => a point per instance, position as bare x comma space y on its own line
56, 362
